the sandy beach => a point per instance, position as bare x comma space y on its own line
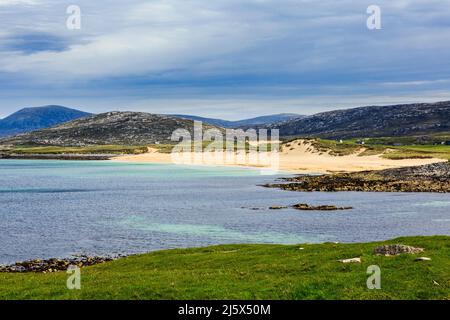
300, 157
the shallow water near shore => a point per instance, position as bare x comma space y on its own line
60, 208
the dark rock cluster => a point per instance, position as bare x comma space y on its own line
428, 178
395, 249
307, 207
53, 265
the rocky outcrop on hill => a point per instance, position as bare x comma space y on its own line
112, 128
246, 123
374, 121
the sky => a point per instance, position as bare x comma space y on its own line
229, 59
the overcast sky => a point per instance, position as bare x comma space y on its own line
223, 58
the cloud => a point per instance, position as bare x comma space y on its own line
417, 82
273, 48
29, 43
4, 3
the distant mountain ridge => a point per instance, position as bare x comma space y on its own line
258, 121
372, 121
139, 128
111, 128
30, 119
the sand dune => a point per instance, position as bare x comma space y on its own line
299, 157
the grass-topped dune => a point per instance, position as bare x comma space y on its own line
309, 271
387, 148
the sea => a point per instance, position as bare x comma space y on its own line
58, 209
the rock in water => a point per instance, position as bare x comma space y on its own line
307, 207
395, 249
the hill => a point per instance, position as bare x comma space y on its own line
112, 128
30, 119
138, 128
372, 121
258, 121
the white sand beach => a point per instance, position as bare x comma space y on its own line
300, 157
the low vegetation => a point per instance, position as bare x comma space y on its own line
419, 152
367, 147
309, 271
430, 139
385, 147
207, 145
97, 149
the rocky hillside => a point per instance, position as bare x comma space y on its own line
122, 128
375, 121
30, 119
246, 123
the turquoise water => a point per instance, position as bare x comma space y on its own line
57, 209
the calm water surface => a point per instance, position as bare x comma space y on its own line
57, 209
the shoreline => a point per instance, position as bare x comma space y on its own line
299, 159
79, 157
296, 157
313, 165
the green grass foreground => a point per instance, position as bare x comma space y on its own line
252, 272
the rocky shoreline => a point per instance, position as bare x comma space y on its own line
428, 178
54, 264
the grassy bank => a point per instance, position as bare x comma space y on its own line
98, 149
376, 147
112, 149
419, 152
252, 272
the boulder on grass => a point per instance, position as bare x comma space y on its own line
396, 249
423, 259
352, 260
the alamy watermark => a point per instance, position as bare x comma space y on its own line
216, 146
73, 22
74, 280
374, 20
374, 280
